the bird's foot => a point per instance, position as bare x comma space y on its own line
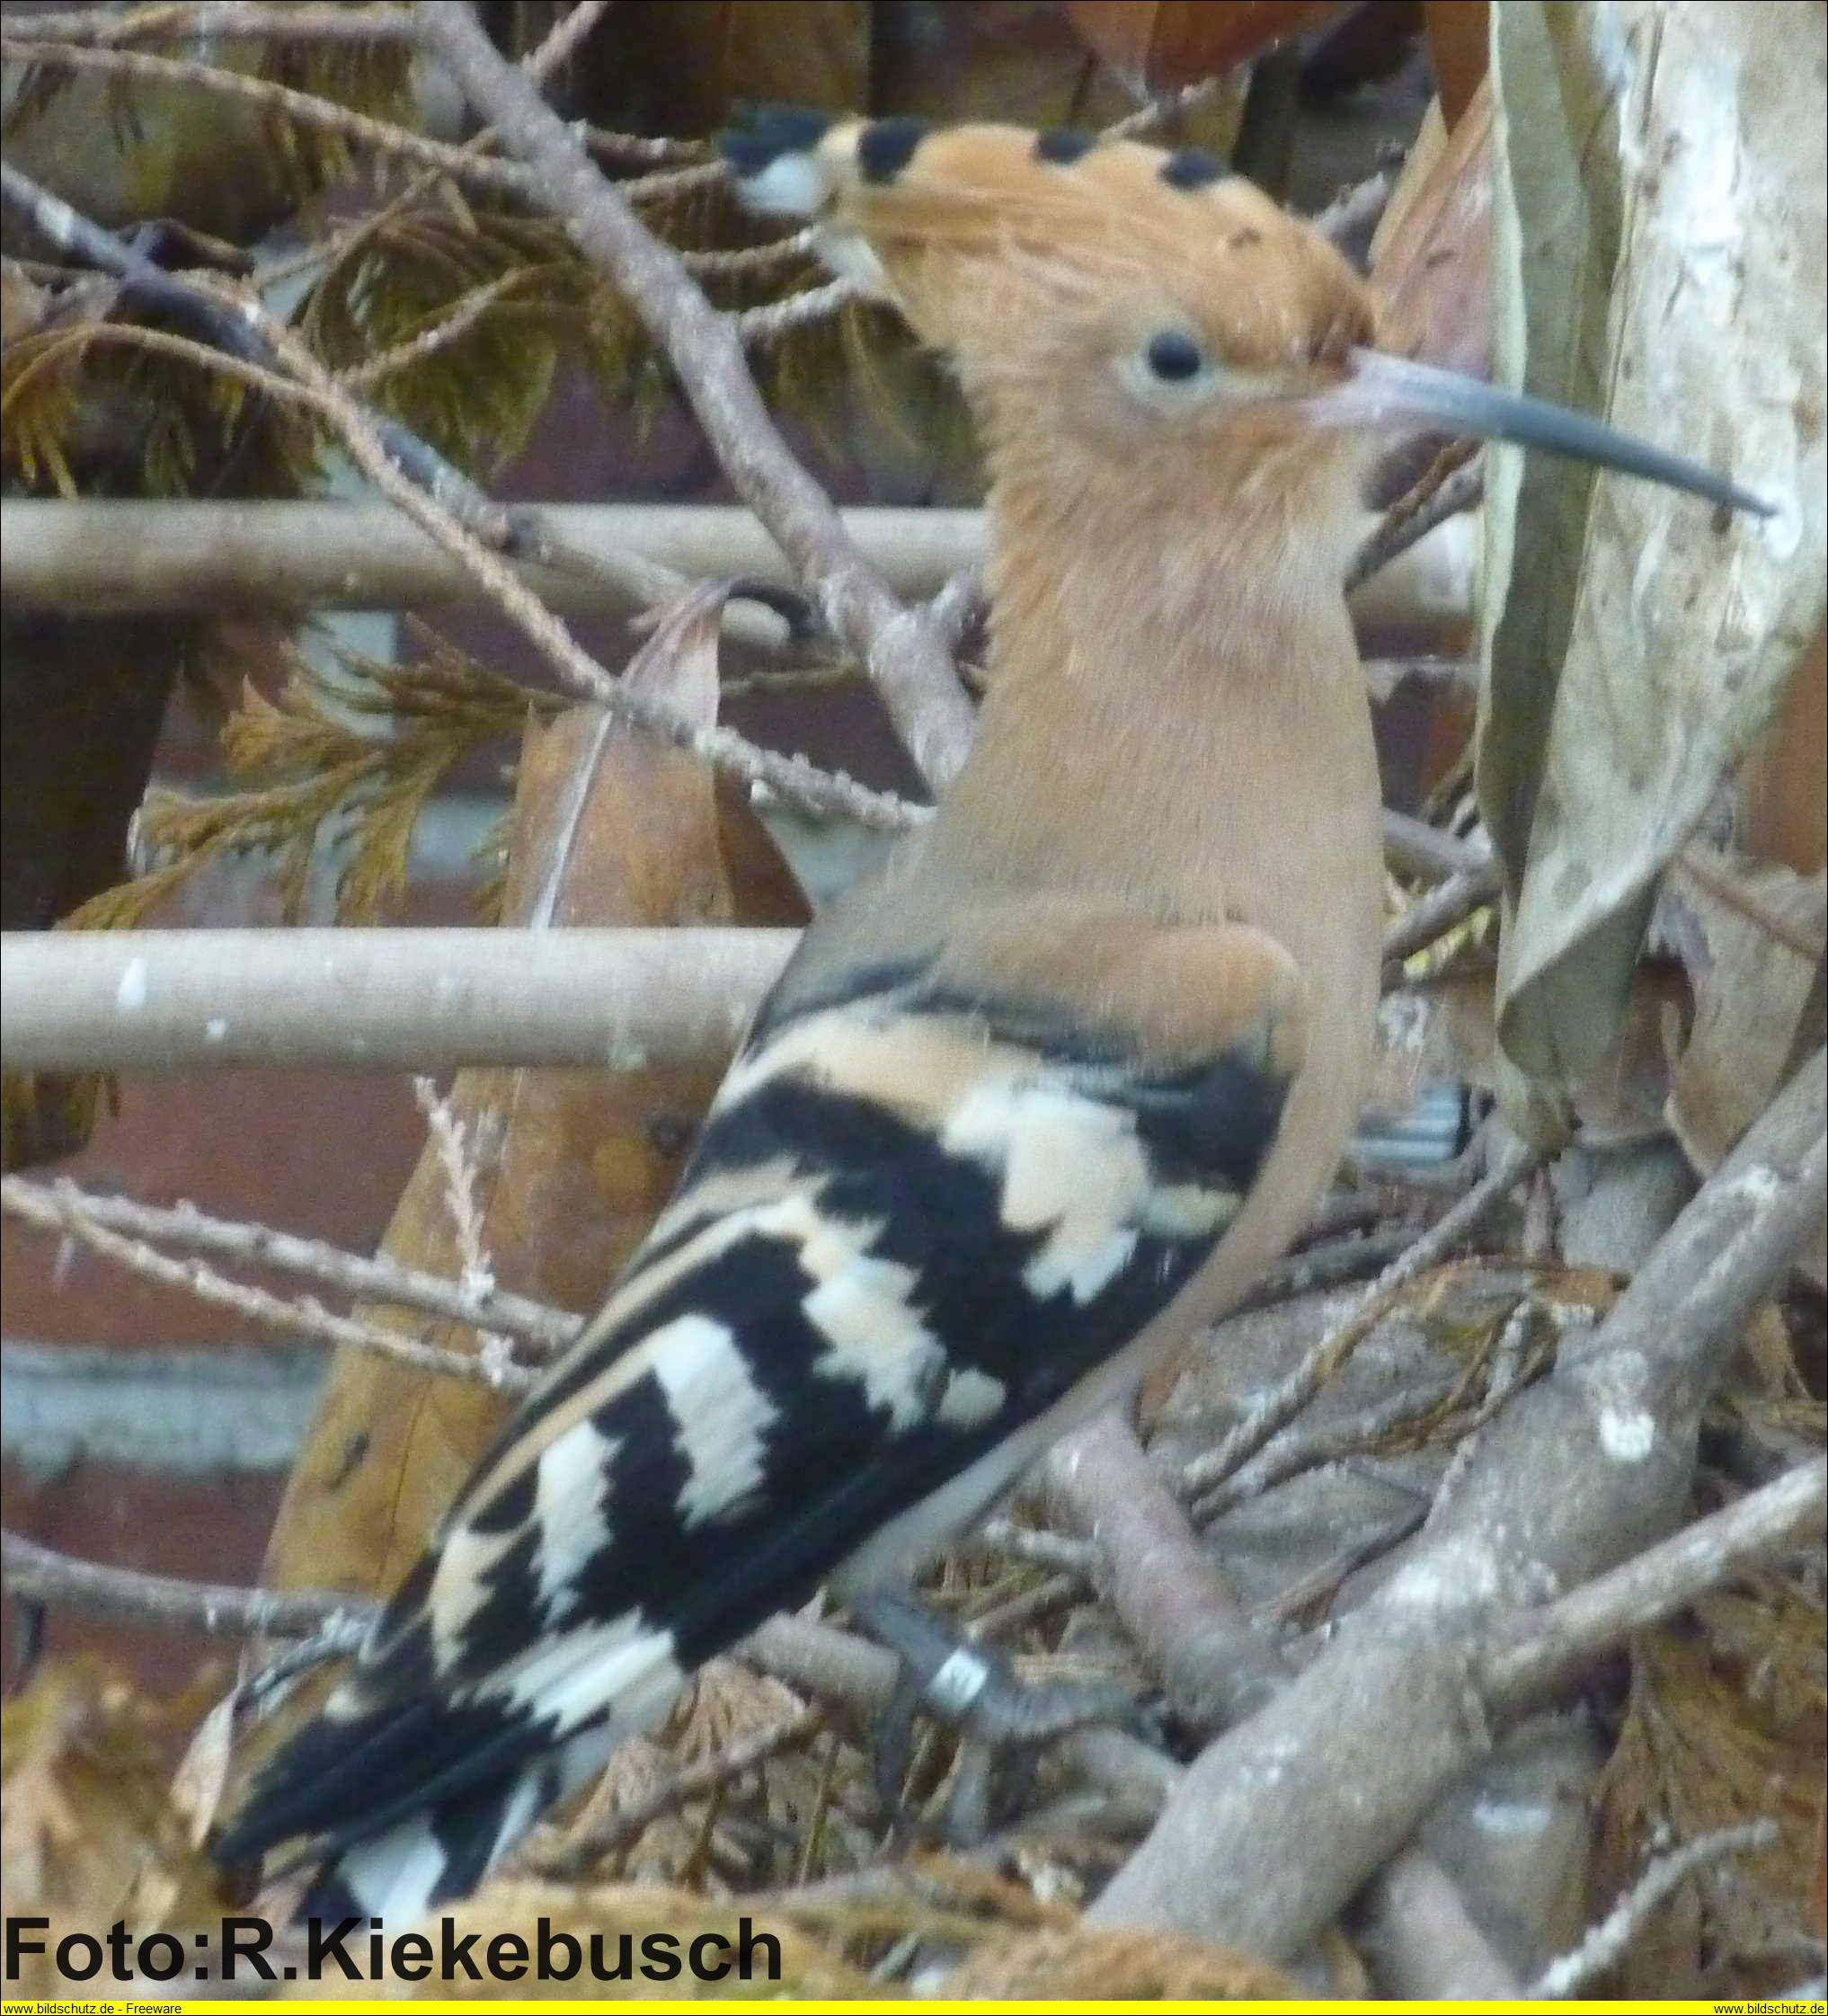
1002, 1722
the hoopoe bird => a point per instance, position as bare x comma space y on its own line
1049, 1090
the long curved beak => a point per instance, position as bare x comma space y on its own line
1382, 390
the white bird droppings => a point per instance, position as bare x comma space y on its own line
215, 1029
1626, 1437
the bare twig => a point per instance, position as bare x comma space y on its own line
1432, 916
221, 20
1413, 517
1037, 1546
1424, 852
41, 1575
1606, 1943
903, 650
451, 1142
563, 40
1693, 863
302, 106
535, 1325
452, 326
1425, 1940
751, 259
305, 1316
1168, 104
1280, 1405
1296, 1451
1544, 1647
812, 304
1214, 1662
577, 1855
128, 555
1336, 1264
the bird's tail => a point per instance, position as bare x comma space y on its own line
445, 1851
411, 1785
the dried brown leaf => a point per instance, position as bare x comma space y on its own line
87, 1833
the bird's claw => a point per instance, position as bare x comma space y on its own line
1002, 1721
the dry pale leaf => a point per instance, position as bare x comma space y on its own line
1659, 225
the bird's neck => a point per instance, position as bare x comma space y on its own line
1174, 667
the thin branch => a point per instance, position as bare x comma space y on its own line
132, 556
812, 304
1748, 904
751, 259
904, 653
1543, 1647
1283, 1402
305, 1316
1296, 1451
543, 1330
38, 1573
303, 108
1410, 520
1336, 1264
1432, 916
576, 1856
1168, 104
1605, 1944
1037, 1546
790, 778
456, 1152
184, 349
563, 39
452, 325
217, 20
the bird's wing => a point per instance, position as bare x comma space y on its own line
927, 1200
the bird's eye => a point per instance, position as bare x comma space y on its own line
1173, 357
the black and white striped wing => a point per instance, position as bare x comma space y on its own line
912, 1223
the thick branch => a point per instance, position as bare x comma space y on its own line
94, 556
422, 1001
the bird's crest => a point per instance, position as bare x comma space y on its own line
992, 238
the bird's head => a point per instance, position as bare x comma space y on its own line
1111, 306
1110, 298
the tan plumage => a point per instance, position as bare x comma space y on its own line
1029, 1105
1168, 631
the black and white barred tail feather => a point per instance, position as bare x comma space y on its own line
914, 1221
